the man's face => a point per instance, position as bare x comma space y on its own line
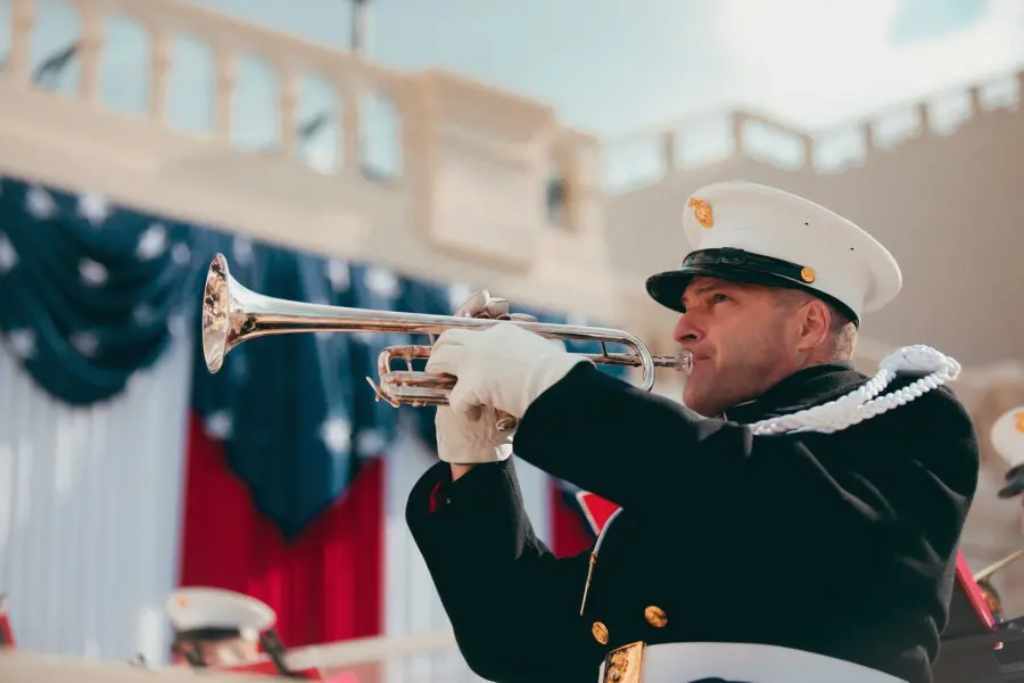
223, 652
740, 338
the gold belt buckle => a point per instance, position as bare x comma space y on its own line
624, 664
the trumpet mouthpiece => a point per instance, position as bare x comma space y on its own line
684, 361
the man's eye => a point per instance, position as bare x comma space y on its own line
718, 298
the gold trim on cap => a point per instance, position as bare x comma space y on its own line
702, 212
600, 632
1019, 417
808, 275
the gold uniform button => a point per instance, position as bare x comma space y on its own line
600, 632
655, 616
807, 274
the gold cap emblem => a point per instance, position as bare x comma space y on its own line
702, 212
808, 275
1019, 418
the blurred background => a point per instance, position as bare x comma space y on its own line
397, 155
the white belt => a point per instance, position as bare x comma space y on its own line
747, 662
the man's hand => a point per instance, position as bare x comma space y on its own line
503, 367
467, 440
462, 440
482, 305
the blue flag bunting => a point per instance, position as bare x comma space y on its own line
91, 293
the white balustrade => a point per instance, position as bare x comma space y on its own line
680, 145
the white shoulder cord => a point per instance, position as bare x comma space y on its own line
864, 402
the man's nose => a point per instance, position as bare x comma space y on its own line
686, 332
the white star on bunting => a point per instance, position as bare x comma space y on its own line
382, 282
337, 273
8, 256
181, 254
23, 342
242, 249
87, 343
152, 243
40, 204
92, 272
219, 424
93, 207
336, 433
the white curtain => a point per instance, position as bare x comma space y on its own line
411, 602
90, 508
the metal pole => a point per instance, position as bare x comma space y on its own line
359, 24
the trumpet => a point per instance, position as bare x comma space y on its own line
233, 314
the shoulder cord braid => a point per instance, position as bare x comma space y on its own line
865, 403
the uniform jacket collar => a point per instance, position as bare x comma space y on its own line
803, 389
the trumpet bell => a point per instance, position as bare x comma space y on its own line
216, 313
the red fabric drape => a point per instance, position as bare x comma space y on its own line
325, 585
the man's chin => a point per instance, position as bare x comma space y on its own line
695, 404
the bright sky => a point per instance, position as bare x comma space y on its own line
612, 66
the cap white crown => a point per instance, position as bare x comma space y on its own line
837, 257
195, 608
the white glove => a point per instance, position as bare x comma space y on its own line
463, 440
481, 304
474, 438
504, 367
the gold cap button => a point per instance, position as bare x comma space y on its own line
600, 632
807, 274
655, 616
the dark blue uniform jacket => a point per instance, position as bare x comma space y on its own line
841, 544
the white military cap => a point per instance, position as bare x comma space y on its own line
218, 610
1008, 436
747, 232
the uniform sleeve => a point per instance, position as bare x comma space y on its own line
648, 453
511, 602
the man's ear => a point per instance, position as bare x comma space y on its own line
815, 323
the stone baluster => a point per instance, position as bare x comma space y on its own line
90, 46
351, 122
974, 100
226, 79
668, 152
924, 119
19, 60
159, 71
289, 102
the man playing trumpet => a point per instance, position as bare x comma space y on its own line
789, 501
